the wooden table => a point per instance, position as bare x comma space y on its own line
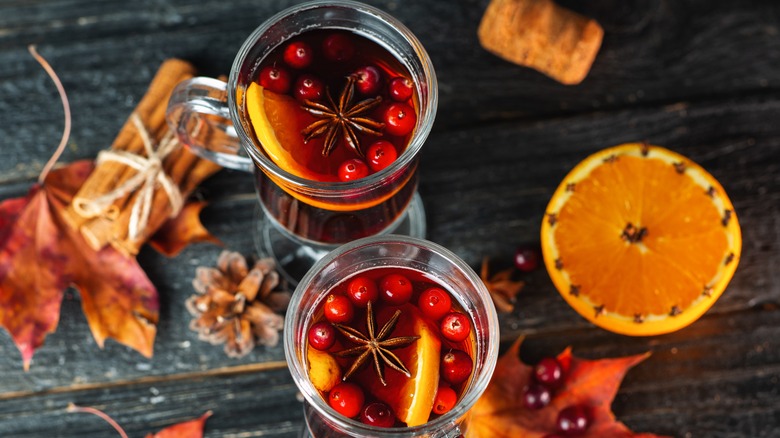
700, 77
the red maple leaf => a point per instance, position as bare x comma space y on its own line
500, 412
180, 231
187, 429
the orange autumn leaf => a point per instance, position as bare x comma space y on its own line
182, 230
40, 255
500, 412
187, 429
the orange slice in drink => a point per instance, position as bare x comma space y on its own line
278, 120
640, 240
410, 398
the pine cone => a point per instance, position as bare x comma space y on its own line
237, 306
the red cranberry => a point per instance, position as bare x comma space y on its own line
362, 290
445, 400
573, 420
322, 335
308, 87
400, 119
347, 399
549, 372
434, 303
353, 169
378, 414
368, 80
395, 289
526, 259
338, 309
298, 54
536, 396
401, 89
380, 155
456, 366
275, 79
455, 326
338, 47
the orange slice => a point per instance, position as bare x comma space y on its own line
411, 398
324, 371
640, 240
278, 121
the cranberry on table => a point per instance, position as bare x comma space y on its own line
353, 169
275, 79
536, 396
298, 54
434, 303
338, 47
445, 400
395, 289
548, 371
456, 366
526, 258
338, 309
322, 335
380, 155
309, 87
378, 414
399, 119
401, 89
361, 290
573, 420
455, 326
368, 80
347, 399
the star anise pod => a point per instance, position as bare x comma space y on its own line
236, 305
501, 287
375, 345
342, 118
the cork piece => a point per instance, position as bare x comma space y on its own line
542, 35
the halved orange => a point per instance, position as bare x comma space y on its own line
640, 240
411, 398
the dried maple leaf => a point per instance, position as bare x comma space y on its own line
187, 429
593, 383
182, 230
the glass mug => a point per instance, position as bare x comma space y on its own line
301, 220
425, 257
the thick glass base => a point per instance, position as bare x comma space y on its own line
294, 256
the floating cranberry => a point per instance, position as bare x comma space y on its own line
308, 87
401, 89
353, 169
322, 335
573, 420
275, 79
298, 54
536, 396
338, 47
526, 258
347, 399
368, 80
456, 366
395, 289
445, 400
378, 414
380, 155
399, 119
434, 303
338, 309
455, 326
361, 290
548, 371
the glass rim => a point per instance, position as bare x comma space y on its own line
472, 393
326, 188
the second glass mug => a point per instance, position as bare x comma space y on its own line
301, 219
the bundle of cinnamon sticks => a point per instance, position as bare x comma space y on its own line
143, 179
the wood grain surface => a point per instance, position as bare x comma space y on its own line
699, 77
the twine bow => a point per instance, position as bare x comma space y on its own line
149, 174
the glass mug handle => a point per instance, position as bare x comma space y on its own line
199, 115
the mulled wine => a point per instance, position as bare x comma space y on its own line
391, 347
